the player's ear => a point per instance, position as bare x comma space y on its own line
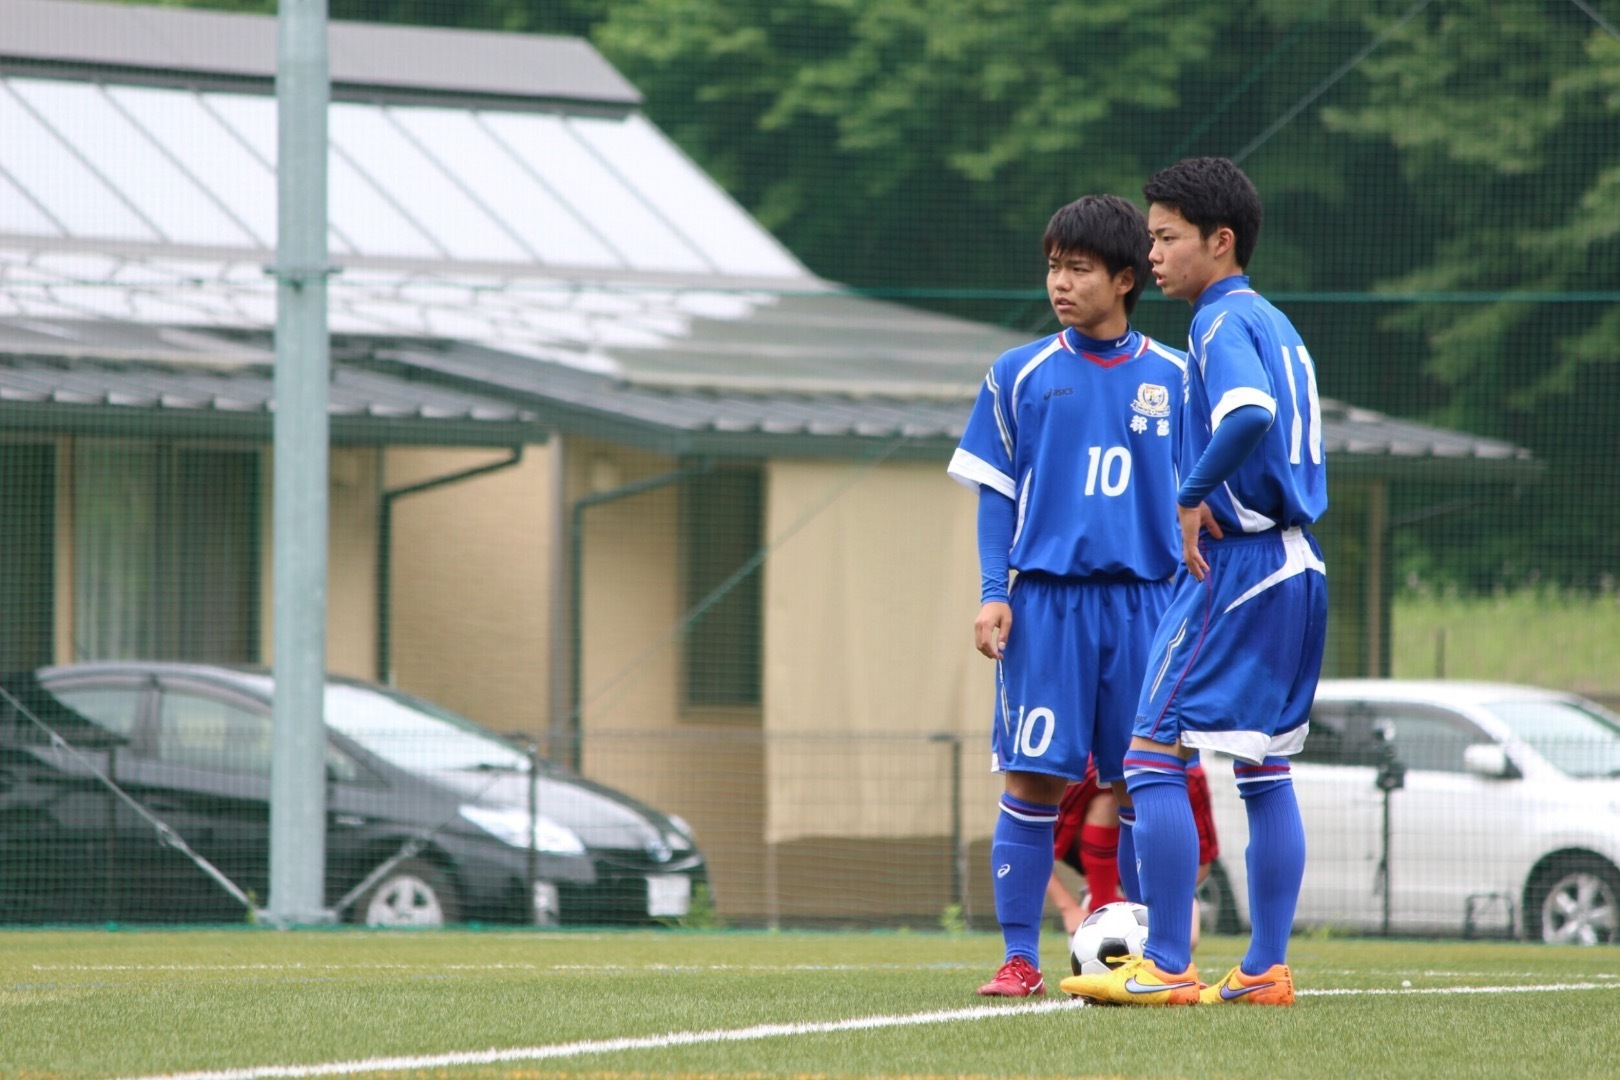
1223, 242
1125, 281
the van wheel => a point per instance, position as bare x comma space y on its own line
1574, 899
414, 893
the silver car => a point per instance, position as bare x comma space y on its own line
1445, 808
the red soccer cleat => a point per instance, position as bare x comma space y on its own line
1017, 978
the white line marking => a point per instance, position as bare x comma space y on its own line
761, 1031
605, 1046
1544, 988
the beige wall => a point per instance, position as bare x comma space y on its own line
351, 554
870, 599
351, 560
471, 622
704, 767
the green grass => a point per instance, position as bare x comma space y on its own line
1563, 640
96, 1003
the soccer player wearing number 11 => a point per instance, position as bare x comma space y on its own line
1237, 655
1070, 447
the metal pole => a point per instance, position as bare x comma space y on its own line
298, 750
958, 851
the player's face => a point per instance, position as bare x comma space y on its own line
1184, 263
1086, 296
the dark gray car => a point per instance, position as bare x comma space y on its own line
431, 818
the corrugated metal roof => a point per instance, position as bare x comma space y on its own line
421, 388
363, 406
173, 43
729, 421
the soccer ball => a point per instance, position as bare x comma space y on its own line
1110, 936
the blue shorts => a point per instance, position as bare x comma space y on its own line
1237, 655
1067, 683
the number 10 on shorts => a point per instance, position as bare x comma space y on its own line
1034, 732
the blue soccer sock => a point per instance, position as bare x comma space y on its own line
1275, 858
1021, 865
1167, 854
1129, 886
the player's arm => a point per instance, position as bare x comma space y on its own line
998, 517
1067, 905
1237, 435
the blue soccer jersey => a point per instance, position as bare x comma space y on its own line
1079, 434
1243, 351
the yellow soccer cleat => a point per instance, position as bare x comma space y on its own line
1138, 981
1274, 986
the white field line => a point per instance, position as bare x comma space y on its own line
761, 1031
569, 969
604, 1046
1543, 988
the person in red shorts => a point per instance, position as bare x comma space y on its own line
1087, 840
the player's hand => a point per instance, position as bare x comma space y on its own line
991, 628
1194, 518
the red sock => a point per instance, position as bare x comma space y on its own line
1099, 859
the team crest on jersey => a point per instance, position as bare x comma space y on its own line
1151, 400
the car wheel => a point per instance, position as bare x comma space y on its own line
414, 893
1574, 899
1217, 913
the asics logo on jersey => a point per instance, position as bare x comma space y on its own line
1004, 869
1229, 993
1057, 392
1153, 988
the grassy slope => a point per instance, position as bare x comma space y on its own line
89, 1003
1566, 642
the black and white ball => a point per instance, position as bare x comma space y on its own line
1110, 936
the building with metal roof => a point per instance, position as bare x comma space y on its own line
721, 522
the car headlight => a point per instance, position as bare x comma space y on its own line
510, 825
681, 839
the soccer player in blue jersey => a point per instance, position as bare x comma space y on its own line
1236, 658
1070, 447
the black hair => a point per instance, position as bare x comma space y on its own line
1105, 227
1210, 192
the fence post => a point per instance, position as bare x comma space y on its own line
958, 850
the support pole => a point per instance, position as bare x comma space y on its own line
298, 745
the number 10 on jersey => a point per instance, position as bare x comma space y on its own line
1110, 468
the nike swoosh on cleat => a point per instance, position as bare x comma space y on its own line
1228, 994
1142, 988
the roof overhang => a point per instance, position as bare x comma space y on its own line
51, 396
171, 46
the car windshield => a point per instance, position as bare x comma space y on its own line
415, 735
1579, 741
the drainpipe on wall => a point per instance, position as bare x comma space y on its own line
572, 735
385, 551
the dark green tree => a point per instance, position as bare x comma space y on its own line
1505, 116
912, 142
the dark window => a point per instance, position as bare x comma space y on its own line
206, 733
113, 707
1342, 733
1324, 743
166, 552
722, 524
1429, 739
27, 554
